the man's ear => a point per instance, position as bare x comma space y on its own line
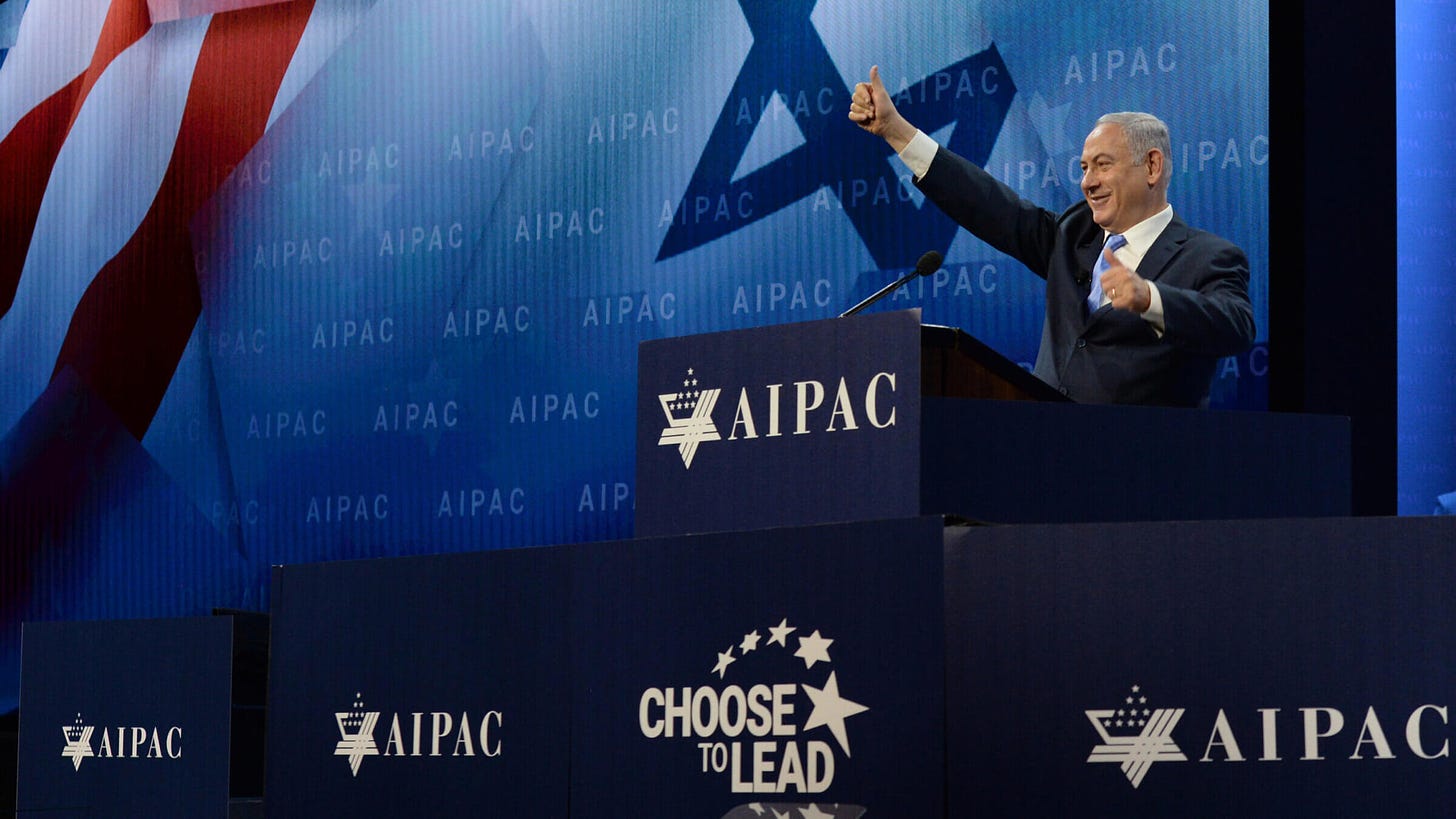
1157, 167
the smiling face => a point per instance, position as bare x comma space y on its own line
1121, 189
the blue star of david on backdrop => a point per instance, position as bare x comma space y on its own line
788, 58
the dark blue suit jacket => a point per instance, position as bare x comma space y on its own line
1111, 356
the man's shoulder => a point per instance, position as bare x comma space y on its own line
1196, 238
1077, 219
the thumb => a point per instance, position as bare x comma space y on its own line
876, 83
1111, 259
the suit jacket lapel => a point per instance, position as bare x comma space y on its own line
1087, 253
1155, 261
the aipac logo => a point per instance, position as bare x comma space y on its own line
418, 734
78, 742
1135, 735
119, 742
689, 414
770, 737
356, 734
775, 411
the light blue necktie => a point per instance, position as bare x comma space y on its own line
1094, 300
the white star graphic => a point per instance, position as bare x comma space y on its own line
1050, 122
434, 388
750, 642
813, 649
813, 812
725, 659
781, 633
756, 808
777, 815
831, 710
369, 200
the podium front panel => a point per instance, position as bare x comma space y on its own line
125, 718
1266, 668
790, 672
422, 686
775, 426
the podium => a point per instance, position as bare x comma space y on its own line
875, 416
797, 631
719, 675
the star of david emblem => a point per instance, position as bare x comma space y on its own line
789, 62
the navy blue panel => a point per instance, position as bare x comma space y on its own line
431, 686
1023, 462
125, 718
721, 621
793, 424
1303, 668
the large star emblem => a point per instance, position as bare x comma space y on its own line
788, 67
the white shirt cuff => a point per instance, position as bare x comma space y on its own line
919, 153
1154, 314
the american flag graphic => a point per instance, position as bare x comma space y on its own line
200, 91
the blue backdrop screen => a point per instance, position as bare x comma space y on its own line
1426, 334
342, 278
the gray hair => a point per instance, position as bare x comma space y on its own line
1144, 133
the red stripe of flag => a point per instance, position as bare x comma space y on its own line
28, 154
131, 326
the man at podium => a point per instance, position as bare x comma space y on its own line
1139, 306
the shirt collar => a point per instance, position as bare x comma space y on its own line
1140, 237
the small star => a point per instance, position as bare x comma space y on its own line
813, 649
1142, 699
725, 659
690, 370
1136, 688
1119, 723
777, 815
781, 633
1147, 713
1129, 700
750, 642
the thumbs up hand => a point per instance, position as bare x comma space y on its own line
871, 107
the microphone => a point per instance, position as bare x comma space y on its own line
929, 263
